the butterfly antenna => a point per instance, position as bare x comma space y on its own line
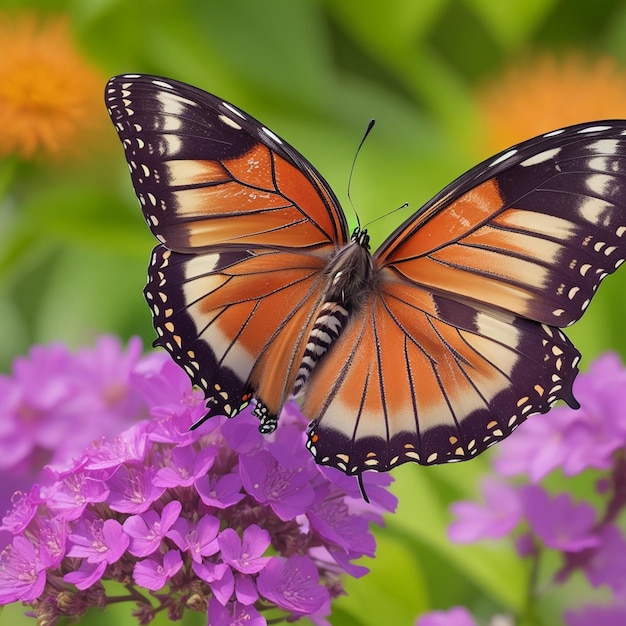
380, 217
356, 154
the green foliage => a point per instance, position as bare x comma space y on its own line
74, 248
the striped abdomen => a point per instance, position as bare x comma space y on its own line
326, 329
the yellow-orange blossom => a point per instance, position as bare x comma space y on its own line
543, 93
49, 94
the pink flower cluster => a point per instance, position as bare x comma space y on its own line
584, 534
56, 402
220, 519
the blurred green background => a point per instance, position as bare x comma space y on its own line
74, 246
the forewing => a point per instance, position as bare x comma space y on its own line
533, 231
209, 176
247, 226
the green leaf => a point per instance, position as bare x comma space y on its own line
513, 22
394, 592
422, 518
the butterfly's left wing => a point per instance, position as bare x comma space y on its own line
460, 341
246, 225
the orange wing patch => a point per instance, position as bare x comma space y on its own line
256, 199
528, 263
457, 220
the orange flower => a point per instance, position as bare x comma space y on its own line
545, 93
49, 95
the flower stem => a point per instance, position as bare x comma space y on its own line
530, 616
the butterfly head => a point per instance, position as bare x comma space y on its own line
361, 237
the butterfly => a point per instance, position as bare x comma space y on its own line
429, 350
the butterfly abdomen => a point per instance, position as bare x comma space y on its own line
326, 330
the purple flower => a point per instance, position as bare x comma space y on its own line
597, 616
456, 616
98, 540
521, 454
105, 372
332, 520
27, 412
606, 565
584, 533
22, 512
198, 539
127, 449
147, 531
245, 589
46, 423
500, 514
292, 584
220, 578
573, 440
287, 490
376, 486
184, 466
49, 534
558, 522
75, 491
132, 488
99, 543
219, 615
220, 491
166, 389
242, 434
154, 572
22, 572
245, 554
212, 572
145, 506
86, 575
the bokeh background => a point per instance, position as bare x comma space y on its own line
449, 82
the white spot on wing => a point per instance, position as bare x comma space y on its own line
605, 146
598, 183
172, 103
593, 210
546, 155
173, 144
593, 129
504, 157
234, 110
162, 83
271, 135
229, 122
